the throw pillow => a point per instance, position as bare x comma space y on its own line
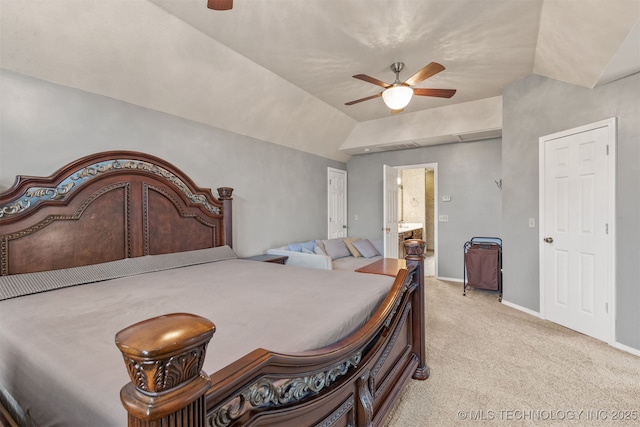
378, 243
366, 248
336, 248
349, 242
297, 247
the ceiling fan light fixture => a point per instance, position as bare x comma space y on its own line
397, 96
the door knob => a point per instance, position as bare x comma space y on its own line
548, 239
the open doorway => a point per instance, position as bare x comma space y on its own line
417, 209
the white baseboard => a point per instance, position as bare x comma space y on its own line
626, 348
524, 309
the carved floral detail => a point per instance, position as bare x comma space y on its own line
225, 192
15, 208
365, 399
269, 393
51, 193
152, 169
33, 195
415, 247
154, 376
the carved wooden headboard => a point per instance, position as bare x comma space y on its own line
104, 207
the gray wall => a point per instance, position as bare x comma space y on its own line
537, 106
280, 193
533, 107
466, 171
281, 196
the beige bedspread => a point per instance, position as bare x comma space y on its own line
57, 348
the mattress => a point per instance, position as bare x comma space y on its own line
58, 359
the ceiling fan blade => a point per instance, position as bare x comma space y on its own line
372, 80
427, 71
220, 4
364, 99
440, 93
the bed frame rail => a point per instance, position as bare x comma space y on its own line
355, 382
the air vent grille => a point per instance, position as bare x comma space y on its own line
404, 146
477, 136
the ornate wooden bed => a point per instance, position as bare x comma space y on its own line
120, 204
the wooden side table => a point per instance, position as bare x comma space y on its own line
276, 259
385, 266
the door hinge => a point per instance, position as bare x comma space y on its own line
607, 149
606, 228
606, 307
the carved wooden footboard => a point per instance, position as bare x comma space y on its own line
356, 382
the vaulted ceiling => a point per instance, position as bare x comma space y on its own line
280, 70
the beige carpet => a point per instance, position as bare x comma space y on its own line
495, 365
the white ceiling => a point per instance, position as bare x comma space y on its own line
319, 45
484, 44
272, 58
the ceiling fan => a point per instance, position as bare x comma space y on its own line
397, 95
220, 4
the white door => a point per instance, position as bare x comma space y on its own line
577, 229
337, 201
390, 211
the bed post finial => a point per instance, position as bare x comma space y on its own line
164, 357
224, 194
414, 249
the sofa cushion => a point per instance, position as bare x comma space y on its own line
350, 263
336, 248
366, 248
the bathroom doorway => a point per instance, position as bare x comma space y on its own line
417, 209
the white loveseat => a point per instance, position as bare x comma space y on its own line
333, 254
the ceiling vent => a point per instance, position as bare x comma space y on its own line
405, 146
477, 136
